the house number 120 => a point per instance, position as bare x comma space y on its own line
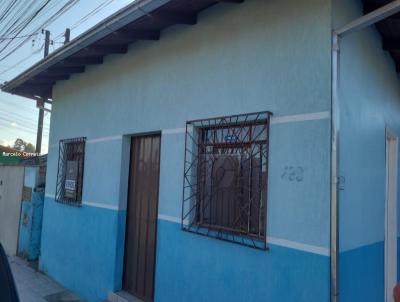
292, 173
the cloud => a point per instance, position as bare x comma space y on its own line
6, 143
14, 124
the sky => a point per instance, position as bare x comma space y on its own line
18, 115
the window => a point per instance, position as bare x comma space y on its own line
70, 170
225, 178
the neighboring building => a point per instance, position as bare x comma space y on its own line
11, 191
22, 193
234, 205
30, 224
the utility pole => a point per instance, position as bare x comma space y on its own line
46, 42
67, 36
41, 102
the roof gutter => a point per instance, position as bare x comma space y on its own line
111, 24
354, 26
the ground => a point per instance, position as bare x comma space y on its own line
34, 286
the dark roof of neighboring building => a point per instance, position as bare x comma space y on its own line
388, 28
8, 149
35, 161
141, 20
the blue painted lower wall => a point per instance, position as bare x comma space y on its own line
194, 268
398, 258
30, 229
362, 274
81, 248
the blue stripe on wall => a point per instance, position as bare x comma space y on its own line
398, 258
362, 274
195, 268
81, 248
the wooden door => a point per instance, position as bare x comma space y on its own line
141, 224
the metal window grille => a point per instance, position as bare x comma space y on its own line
70, 171
225, 178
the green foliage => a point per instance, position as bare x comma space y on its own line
30, 148
19, 144
22, 145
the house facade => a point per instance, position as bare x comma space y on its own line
197, 167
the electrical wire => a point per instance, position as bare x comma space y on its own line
20, 119
68, 5
22, 60
82, 20
24, 38
16, 28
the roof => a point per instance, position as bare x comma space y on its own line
389, 29
141, 20
35, 161
8, 149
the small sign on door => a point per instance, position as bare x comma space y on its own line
71, 178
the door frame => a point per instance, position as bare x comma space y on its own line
391, 158
129, 151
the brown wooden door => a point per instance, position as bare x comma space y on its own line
141, 222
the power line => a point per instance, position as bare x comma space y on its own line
7, 66
17, 127
8, 123
20, 119
75, 25
18, 37
17, 29
82, 20
23, 112
21, 27
22, 60
9, 103
60, 12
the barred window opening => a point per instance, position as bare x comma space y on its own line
70, 171
225, 178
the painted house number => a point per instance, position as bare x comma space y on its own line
293, 173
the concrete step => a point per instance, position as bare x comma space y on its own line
122, 296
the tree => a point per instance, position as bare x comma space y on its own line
22, 145
30, 148
19, 144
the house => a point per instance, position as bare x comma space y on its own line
31, 214
11, 191
21, 199
198, 152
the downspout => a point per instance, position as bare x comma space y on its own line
335, 127
356, 25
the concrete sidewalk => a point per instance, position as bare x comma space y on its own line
34, 286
